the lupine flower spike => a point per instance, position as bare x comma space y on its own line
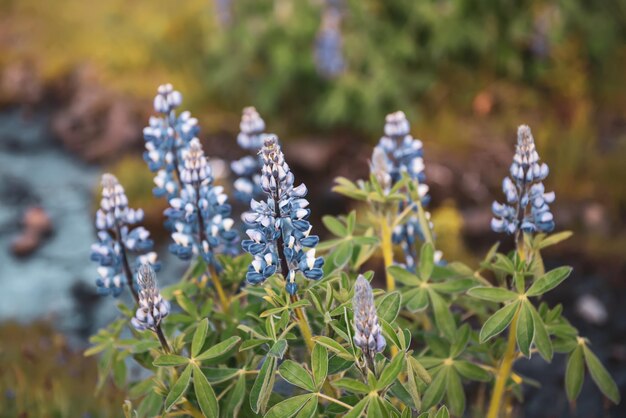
398, 152
200, 214
117, 238
527, 203
152, 307
279, 228
166, 136
367, 332
329, 58
248, 169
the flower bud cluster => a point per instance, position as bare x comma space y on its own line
152, 307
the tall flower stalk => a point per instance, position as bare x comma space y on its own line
398, 154
200, 216
526, 211
248, 168
118, 237
279, 233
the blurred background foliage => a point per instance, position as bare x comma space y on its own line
41, 375
462, 70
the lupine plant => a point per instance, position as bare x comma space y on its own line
276, 330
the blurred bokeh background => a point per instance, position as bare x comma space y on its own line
76, 85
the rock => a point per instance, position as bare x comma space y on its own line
21, 83
36, 225
591, 309
483, 103
25, 243
36, 219
97, 124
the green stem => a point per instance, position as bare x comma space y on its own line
504, 371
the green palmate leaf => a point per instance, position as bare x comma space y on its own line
319, 365
278, 349
219, 349
453, 285
334, 225
455, 392
375, 409
295, 374
351, 222
199, 336
554, 239
151, 405
170, 360
263, 385
498, 321
442, 413
391, 371
334, 346
291, 406
525, 329
471, 371
358, 409
187, 305
549, 281
503, 263
219, 374
388, 306
416, 299
427, 261
460, 341
143, 346
179, 388
574, 373
351, 385
494, 294
342, 253
600, 376
309, 410
419, 370
235, 398
248, 344
435, 391
403, 276
411, 385
542, 338
205, 394
443, 316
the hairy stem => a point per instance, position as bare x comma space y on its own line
303, 324
331, 399
504, 371
159, 333
386, 246
219, 289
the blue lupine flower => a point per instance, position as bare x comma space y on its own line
396, 153
166, 136
329, 59
368, 334
117, 237
280, 221
152, 307
248, 169
200, 213
527, 203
